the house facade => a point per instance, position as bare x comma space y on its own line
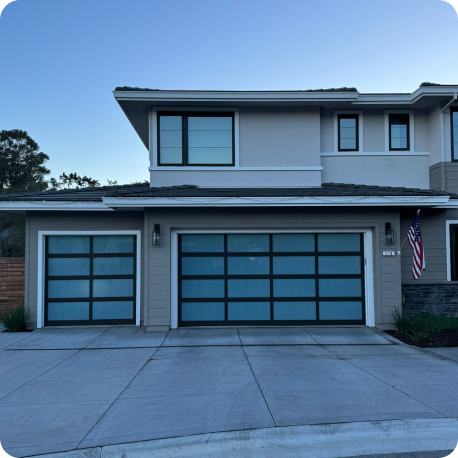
264, 208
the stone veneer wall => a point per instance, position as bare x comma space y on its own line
431, 298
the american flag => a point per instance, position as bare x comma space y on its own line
416, 242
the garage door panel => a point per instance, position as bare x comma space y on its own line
90, 279
234, 279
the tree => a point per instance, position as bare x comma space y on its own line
21, 163
22, 169
72, 181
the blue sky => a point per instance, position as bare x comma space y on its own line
61, 60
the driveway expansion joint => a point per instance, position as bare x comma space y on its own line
256, 380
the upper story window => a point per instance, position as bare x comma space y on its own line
399, 134
348, 132
454, 127
200, 138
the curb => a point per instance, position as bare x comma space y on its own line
313, 441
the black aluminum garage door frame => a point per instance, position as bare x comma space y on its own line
90, 277
271, 276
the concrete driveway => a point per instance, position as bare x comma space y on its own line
63, 389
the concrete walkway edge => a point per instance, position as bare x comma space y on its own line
313, 441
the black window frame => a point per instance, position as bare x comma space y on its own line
390, 116
271, 276
453, 110
91, 255
184, 136
348, 116
453, 258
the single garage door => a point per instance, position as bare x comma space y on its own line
271, 279
90, 279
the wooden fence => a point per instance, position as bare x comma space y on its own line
12, 276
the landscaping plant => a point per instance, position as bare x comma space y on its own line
16, 320
402, 322
425, 329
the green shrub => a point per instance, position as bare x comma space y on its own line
402, 322
15, 320
431, 324
418, 336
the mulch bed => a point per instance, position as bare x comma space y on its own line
444, 338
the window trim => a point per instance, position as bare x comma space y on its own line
448, 246
360, 128
453, 109
411, 132
184, 135
348, 116
42, 259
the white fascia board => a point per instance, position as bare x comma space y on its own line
49, 205
425, 91
353, 201
452, 203
292, 96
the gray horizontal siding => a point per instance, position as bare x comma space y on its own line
387, 285
447, 171
433, 230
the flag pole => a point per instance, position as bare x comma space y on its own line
400, 249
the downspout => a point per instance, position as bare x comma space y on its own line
442, 166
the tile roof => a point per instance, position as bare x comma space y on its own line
326, 189
436, 84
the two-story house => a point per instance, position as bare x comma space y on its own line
251, 217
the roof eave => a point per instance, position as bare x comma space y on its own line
248, 96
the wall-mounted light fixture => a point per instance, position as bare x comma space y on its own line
389, 232
157, 234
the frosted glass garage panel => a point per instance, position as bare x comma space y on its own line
294, 288
113, 266
204, 243
68, 311
68, 244
253, 265
113, 244
61, 267
202, 288
339, 242
205, 265
248, 288
341, 310
294, 265
113, 310
113, 288
285, 311
293, 243
340, 287
68, 288
334, 265
252, 243
248, 311
202, 311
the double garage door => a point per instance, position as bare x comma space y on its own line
271, 279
